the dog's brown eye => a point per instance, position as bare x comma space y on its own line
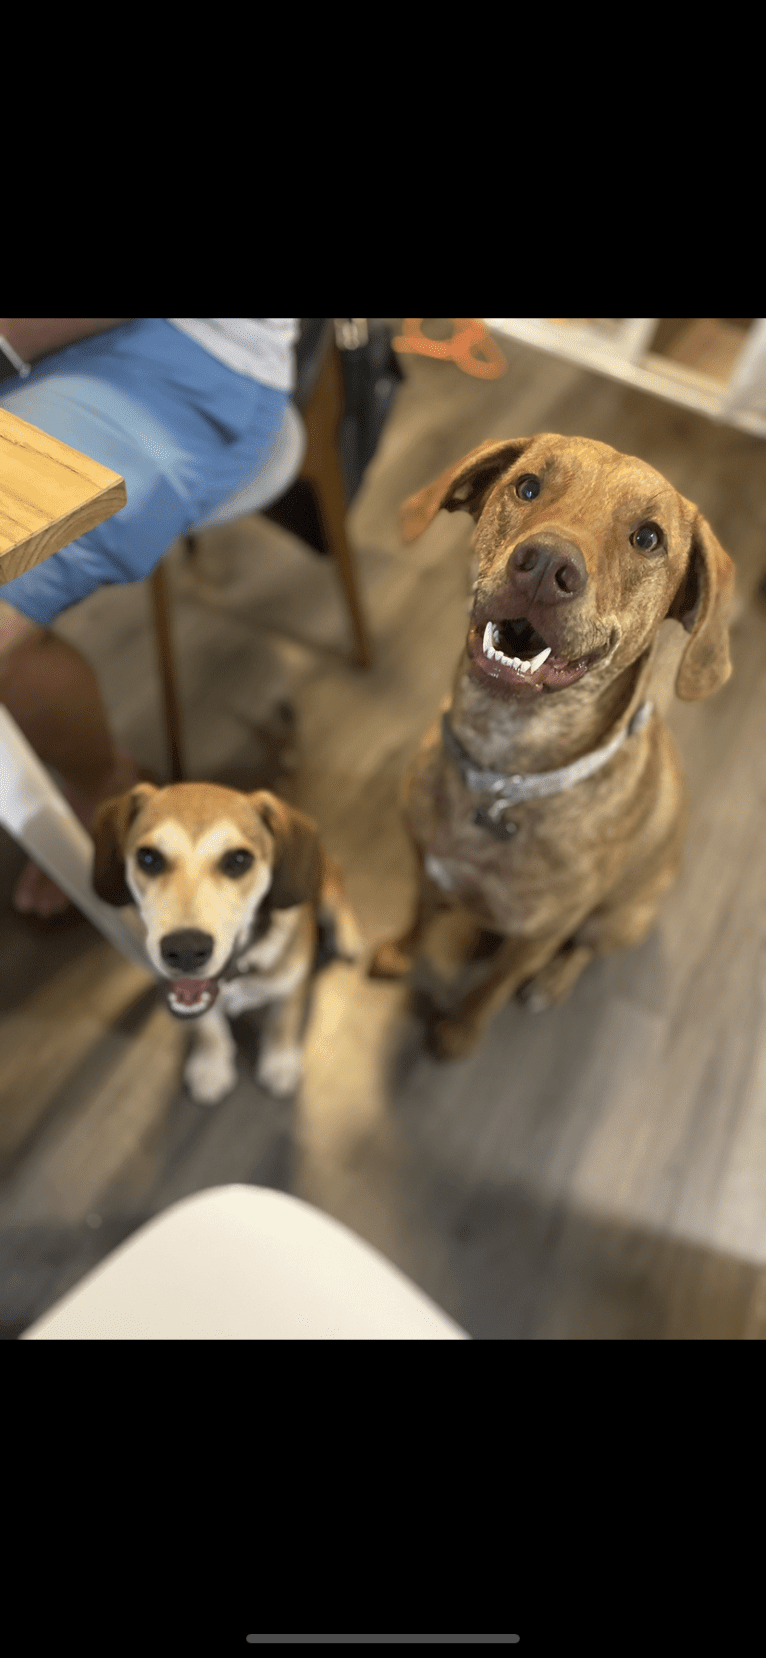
528, 487
647, 538
152, 862
235, 863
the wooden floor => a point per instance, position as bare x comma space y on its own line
596, 1172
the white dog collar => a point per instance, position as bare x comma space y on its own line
511, 791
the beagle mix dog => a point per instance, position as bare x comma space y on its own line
237, 897
546, 803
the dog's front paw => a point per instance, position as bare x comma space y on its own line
556, 981
535, 998
209, 1077
279, 1071
389, 962
449, 1039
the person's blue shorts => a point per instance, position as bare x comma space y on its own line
182, 429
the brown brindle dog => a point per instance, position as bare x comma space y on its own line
547, 803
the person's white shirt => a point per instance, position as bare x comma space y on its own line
259, 347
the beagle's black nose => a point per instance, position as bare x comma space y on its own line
187, 950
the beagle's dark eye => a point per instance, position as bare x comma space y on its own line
236, 863
648, 538
150, 861
528, 487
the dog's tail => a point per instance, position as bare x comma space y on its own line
339, 938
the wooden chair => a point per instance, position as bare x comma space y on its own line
301, 487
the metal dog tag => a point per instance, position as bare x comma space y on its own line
502, 828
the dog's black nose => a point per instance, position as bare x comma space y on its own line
548, 569
187, 950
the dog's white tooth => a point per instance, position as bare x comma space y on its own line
496, 635
487, 641
537, 661
524, 667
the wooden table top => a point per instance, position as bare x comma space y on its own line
49, 495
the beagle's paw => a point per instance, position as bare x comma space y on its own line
348, 939
389, 962
279, 1071
209, 1077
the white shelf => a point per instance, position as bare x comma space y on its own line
618, 349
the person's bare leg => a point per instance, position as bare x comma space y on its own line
52, 693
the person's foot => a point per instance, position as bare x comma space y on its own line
36, 893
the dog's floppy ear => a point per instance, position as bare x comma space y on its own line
113, 819
464, 487
297, 857
702, 605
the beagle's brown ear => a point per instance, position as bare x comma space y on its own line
464, 487
297, 875
113, 819
703, 606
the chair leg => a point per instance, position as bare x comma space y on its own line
331, 506
167, 668
321, 470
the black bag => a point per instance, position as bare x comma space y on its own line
371, 375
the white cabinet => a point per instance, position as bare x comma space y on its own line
629, 349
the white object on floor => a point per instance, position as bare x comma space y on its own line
244, 1263
36, 814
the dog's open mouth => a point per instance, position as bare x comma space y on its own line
188, 998
514, 652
